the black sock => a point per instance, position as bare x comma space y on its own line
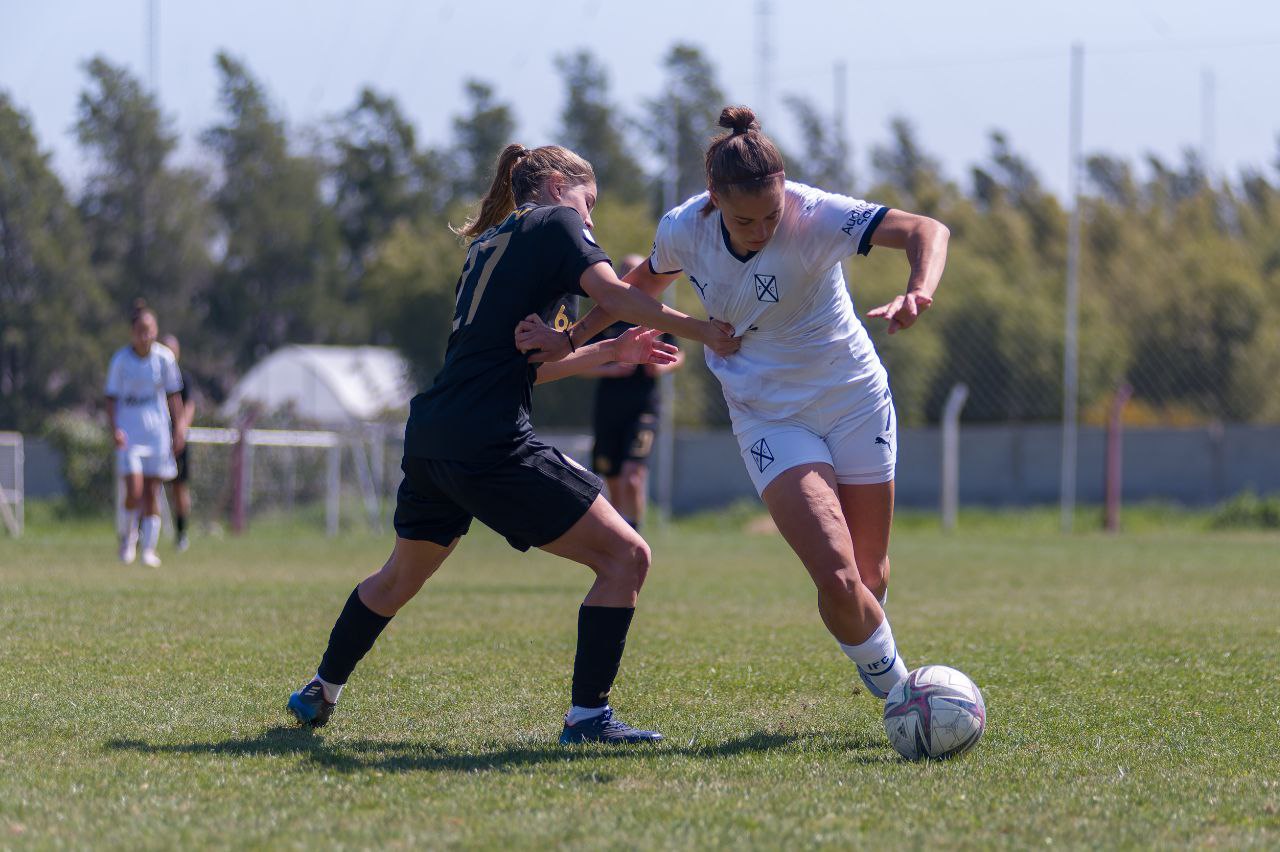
353, 635
602, 634
180, 525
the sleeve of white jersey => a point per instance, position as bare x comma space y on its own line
837, 227
172, 375
665, 257
113, 377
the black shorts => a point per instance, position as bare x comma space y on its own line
532, 498
623, 439
181, 460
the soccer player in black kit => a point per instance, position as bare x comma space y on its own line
470, 451
625, 422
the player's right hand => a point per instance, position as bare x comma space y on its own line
120, 439
540, 341
720, 339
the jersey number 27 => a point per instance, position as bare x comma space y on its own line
482, 257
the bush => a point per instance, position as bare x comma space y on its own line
87, 461
1248, 510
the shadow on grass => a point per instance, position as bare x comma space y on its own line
417, 756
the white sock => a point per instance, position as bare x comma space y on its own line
878, 658
578, 714
150, 533
129, 524
331, 690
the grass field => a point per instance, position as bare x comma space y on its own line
1132, 687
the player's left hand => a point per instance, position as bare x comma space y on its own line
540, 341
903, 311
643, 346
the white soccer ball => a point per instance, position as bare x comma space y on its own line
934, 711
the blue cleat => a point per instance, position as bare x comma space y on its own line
605, 729
308, 705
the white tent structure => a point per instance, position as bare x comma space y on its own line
335, 386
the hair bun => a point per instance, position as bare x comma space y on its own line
739, 119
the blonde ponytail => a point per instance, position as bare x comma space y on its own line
499, 200
521, 172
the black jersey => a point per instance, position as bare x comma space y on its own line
478, 407
626, 396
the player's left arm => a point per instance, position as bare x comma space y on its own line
925, 242
634, 346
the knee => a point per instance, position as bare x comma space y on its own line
629, 564
839, 585
634, 480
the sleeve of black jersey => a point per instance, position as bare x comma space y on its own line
570, 246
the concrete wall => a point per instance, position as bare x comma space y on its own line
1017, 465
1007, 465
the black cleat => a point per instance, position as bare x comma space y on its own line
308, 705
605, 729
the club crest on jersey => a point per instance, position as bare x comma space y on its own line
859, 216
586, 235
767, 288
761, 454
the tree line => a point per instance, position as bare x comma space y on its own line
339, 235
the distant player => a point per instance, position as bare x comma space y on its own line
179, 492
808, 396
625, 422
144, 405
470, 450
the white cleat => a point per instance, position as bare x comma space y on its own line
128, 550
150, 559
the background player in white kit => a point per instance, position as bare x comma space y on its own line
808, 396
143, 400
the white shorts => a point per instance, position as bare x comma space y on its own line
149, 460
862, 447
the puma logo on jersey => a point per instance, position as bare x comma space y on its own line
702, 288
880, 440
767, 288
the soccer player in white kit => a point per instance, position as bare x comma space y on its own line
143, 399
808, 396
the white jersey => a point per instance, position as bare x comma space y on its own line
801, 340
140, 386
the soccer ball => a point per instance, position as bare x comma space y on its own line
934, 711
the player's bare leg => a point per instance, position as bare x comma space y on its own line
129, 517
868, 512
604, 542
149, 526
367, 612
805, 506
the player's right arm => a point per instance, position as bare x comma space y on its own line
651, 283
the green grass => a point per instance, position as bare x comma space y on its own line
1131, 684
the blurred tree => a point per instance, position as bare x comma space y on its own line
277, 282
914, 177
825, 159
591, 125
149, 226
683, 119
480, 136
55, 318
380, 177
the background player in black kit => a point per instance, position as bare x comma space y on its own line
625, 422
470, 451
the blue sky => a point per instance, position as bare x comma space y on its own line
956, 70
